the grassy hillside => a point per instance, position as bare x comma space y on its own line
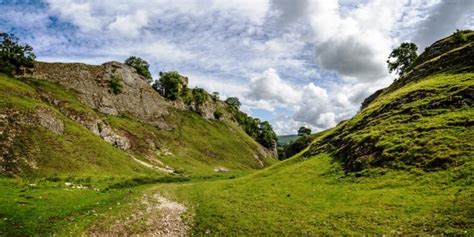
197, 147
402, 165
313, 196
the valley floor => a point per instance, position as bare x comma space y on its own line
294, 197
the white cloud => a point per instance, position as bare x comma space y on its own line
129, 25
356, 45
79, 13
270, 87
442, 20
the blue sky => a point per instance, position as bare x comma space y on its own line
294, 63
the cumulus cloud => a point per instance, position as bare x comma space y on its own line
354, 45
270, 87
442, 20
129, 25
79, 13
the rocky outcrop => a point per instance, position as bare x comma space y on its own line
92, 83
99, 128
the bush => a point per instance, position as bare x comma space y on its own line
200, 96
141, 66
296, 146
215, 96
14, 56
218, 114
169, 85
460, 36
116, 84
233, 102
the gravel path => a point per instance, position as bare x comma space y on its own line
154, 215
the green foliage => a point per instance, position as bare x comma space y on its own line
14, 56
116, 84
233, 102
266, 135
296, 146
215, 96
262, 132
169, 85
200, 95
304, 131
460, 36
218, 114
402, 57
141, 66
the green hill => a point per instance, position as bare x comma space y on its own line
48, 129
402, 165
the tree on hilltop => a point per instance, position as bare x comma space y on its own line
141, 66
14, 56
402, 57
304, 131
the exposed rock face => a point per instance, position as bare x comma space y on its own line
49, 120
99, 128
92, 84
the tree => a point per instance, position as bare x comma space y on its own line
296, 146
215, 96
169, 85
233, 102
402, 57
13, 55
304, 131
266, 135
141, 66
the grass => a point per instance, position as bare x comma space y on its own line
197, 146
313, 197
41, 207
423, 125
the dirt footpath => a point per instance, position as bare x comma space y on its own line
154, 215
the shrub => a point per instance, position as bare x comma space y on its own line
200, 96
460, 36
218, 114
14, 56
116, 84
215, 96
141, 66
233, 102
296, 146
169, 85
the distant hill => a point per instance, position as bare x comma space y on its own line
285, 139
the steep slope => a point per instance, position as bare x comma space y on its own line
402, 165
66, 120
423, 120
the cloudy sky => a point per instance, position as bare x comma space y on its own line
291, 62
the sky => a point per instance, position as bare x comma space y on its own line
292, 62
